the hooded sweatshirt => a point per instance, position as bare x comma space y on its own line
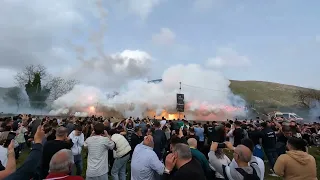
296, 165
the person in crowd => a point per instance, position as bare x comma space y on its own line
255, 135
70, 125
121, 155
246, 165
199, 131
200, 157
61, 165
192, 134
77, 138
10, 166
249, 144
160, 140
27, 170
20, 136
167, 131
129, 127
136, 138
187, 167
62, 141
296, 164
98, 145
269, 145
223, 160
145, 163
238, 133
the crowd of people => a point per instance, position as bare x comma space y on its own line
150, 149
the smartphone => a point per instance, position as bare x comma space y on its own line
222, 145
10, 137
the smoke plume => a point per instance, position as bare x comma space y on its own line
207, 95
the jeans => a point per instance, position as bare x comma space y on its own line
272, 156
102, 177
119, 167
78, 164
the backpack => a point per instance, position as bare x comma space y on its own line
247, 176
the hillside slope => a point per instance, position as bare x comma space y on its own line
262, 93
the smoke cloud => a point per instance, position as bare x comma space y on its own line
207, 94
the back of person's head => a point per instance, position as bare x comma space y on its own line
248, 143
182, 151
264, 124
137, 129
237, 123
78, 128
243, 154
61, 162
192, 142
175, 140
191, 130
297, 144
98, 129
61, 132
157, 124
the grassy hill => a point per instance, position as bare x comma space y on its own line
266, 94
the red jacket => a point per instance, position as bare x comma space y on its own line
62, 176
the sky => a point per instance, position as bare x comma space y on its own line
121, 40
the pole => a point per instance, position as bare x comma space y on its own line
179, 92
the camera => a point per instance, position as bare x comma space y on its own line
222, 145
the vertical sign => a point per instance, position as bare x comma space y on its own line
180, 102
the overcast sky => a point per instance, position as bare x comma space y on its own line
274, 40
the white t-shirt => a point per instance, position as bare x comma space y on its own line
98, 147
3, 156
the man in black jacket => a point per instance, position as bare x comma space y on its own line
187, 167
160, 140
51, 147
269, 141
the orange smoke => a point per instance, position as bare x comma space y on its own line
165, 114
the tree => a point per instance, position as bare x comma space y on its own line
55, 86
14, 96
59, 86
28, 74
37, 94
306, 98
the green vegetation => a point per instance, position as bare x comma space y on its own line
37, 94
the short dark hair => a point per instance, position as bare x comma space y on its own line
98, 129
78, 127
248, 143
298, 144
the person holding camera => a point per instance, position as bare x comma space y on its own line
247, 166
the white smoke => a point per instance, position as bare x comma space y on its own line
112, 71
206, 93
314, 111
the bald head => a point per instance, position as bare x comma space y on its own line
148, 141
244, 153
192, 142
61, 161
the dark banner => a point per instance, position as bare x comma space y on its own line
180, 102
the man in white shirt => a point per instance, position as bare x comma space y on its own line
77, 138
98, 145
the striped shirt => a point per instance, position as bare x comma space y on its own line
98, 147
